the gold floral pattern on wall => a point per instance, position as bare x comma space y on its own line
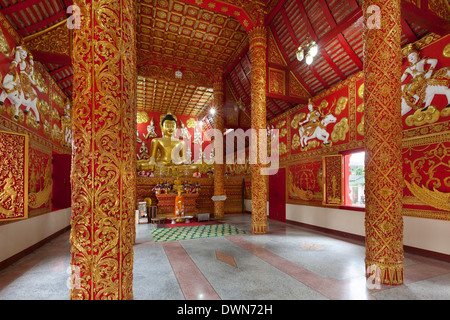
13, 176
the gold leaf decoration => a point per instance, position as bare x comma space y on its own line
360, 127
360, 108
446, 51
445, 112
296, 119
340, 130
58, 100
420, 117
341, 105
295, 141
190, 123
433, 198
142, 117
4, 46
280, 124
301, 194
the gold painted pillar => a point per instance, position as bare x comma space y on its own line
104, 157
258, 46
383, 138
219, 168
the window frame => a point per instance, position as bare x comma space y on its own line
346, 155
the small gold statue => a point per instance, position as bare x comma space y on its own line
165, 151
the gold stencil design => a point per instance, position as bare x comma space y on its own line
341, 105
382, 129
296, 119
258, 48
142, 117
424, 179
340, 130
103, 163
13, 176
419, 117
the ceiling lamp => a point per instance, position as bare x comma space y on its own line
311, 48
178, 74
212, 111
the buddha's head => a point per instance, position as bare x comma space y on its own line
168, 125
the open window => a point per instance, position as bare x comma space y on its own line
344, 179
354, 177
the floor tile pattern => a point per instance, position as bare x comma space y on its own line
287, 263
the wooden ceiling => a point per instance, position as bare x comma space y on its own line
203, 38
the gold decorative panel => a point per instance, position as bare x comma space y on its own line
13, 176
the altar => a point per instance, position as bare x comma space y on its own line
166, 204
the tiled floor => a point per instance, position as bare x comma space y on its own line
288, 263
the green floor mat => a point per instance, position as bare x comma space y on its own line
195, 232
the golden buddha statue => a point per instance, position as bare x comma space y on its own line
166, 153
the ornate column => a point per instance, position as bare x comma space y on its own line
383, 138
258, 46
219, 168
104, 158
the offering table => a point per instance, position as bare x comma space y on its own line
166, 204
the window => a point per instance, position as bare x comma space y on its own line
354, 179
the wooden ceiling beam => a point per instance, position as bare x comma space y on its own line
348, 21
274, 12
242, 88
68, 3
234, 64
276, 104
286, 58
313, 36
288, 25
41, 24
288, 98
348, 50
425, 18
53, 58
343, 25
234, 89
408, 31
243, 71
268, 109
19, 6
65, 79
60, 69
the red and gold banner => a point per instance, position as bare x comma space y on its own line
13, 176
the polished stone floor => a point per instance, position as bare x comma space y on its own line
287, 263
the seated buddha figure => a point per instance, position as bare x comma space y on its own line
167, 150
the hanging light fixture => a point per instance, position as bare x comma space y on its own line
309, 58
178, 74
311, 48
